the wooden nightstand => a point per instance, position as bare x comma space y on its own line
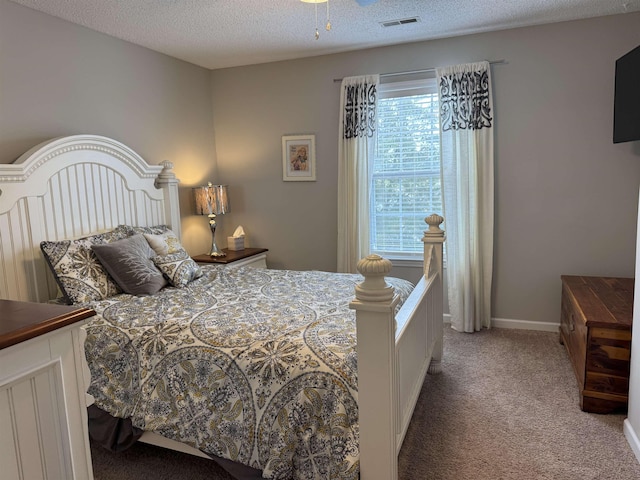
43, 384
251, 257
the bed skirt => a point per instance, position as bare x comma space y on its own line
118, 434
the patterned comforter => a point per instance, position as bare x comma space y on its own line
257, 366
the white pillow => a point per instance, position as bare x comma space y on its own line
165, 243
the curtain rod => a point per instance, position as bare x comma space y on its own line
426, 70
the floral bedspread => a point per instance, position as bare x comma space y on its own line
257, 366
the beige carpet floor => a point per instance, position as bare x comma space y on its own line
504, 408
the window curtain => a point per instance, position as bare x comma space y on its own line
356, 147
466, 125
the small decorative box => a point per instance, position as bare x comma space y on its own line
235, 243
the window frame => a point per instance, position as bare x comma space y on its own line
397, 89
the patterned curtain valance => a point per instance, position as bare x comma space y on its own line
359, 110
356, 147
464, 97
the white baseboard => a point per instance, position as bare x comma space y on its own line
632, 438
515, 324
524, 325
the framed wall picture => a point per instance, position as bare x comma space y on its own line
299, 158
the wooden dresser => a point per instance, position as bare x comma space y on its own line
43, 380
595, 327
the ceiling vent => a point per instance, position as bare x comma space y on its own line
404, 21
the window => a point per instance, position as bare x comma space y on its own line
405, 176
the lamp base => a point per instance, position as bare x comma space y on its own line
215, 251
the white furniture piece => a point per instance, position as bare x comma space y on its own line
82, 184
43, 384
632, 422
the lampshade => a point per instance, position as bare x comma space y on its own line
211, 199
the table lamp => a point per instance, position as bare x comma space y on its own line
212, 200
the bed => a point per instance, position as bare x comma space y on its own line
318, 385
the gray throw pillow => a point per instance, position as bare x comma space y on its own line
129, 263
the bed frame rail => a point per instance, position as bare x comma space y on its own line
395, 352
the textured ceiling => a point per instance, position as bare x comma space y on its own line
227, 33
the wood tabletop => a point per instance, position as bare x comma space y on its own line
231, 255
20, 321
604, 301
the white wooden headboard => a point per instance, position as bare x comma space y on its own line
70, 187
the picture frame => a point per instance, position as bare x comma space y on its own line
299, 158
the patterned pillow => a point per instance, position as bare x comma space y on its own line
128, 261
179, 268
79, 274
164, 243
155, 230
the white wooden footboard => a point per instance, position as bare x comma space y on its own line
395, 353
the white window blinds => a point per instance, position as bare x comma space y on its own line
405, 175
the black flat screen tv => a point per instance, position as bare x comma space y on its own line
626, 106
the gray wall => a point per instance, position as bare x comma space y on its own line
57, 78
566, 196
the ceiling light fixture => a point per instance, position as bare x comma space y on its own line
328, 25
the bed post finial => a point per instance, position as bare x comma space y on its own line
374, 288
434, 220
433, 238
